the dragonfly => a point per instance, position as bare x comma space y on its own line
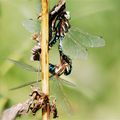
58, 26
58, 83
55, 70
72, 40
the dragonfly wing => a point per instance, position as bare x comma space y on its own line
58, 91
27, 84
72, 48
67, 83
86, 39
38, 7
33, 26
77, 42
24, 66
24, 85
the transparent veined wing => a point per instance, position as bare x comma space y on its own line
52, 77
77, 42
25, 85
33, 26
33, 69
87, 39
57, 90
24, 66
38, 7
67, 83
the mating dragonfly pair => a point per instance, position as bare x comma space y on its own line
72, 40
58, 27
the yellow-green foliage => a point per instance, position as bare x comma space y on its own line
98, 96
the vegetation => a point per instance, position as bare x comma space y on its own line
98, 77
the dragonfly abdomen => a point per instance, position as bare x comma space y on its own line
68, 70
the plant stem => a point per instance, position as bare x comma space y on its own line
44, 56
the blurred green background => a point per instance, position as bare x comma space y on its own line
98, 97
